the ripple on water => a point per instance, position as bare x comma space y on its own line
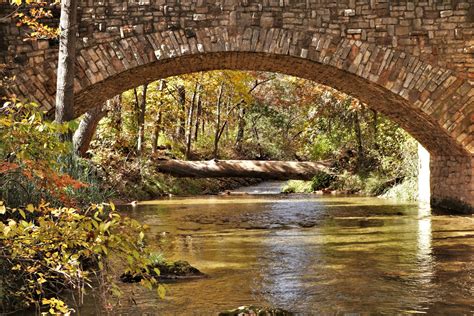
314, 255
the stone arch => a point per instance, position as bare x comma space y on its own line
432, 103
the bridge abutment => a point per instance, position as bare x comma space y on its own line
452, 183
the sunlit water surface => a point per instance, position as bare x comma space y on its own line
307, 254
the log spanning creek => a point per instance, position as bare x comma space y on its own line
312, 255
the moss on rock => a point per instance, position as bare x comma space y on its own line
168, 271
256, 311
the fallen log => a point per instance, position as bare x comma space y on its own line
271, 170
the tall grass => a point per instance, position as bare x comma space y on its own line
298, 186
86, 172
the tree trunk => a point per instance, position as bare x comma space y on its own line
156, 133
198, 119
181, 123
86, 130
136, 110
203, 124
257, 138
218, 122
279, 170
158, 127
141, 121
241, 130
66, 59
115, 105
375, 128
360, 145
189, 132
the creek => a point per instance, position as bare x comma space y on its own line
308, 254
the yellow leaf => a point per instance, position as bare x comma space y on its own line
161, 291
135, 254
96, 225
3, 209
30, 208
104, 249
106, 226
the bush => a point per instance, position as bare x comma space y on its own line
45, 250
48, 248
376, 184
321, 180
36, 166
348, 182
94, 190
321, 147
407, 191
29, 151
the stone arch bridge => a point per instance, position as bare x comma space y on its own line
411, 60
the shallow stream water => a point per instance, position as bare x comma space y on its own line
314, 255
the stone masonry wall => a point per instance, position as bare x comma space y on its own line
411, 60
420, 50
452, 183
438, 31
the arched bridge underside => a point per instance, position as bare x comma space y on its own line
410, 61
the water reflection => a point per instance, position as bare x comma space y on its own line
268, 187
424, 253
311, 255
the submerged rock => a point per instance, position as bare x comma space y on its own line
256, 311
168, 271
177, 270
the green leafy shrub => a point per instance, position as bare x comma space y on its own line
407, 191
322, 147
321, 180
375, 184
348, 182
45, 250
35, 165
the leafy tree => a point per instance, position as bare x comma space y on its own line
66, 33
66, 63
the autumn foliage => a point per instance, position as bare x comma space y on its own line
30, 152
46, 250
48, 242
32, 14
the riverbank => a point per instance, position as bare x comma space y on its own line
135, 179
403, 190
